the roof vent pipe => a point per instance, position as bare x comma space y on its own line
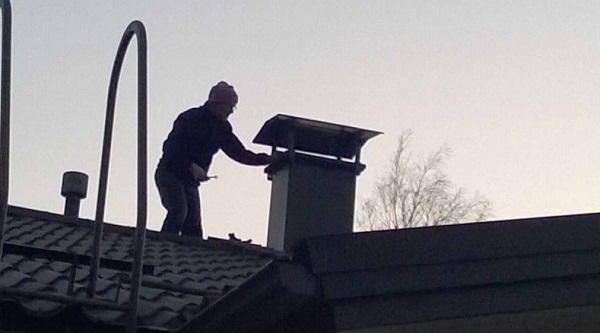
74, 188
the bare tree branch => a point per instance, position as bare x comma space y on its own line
417, 192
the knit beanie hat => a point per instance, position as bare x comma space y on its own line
223, 93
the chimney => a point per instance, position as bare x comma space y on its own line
74, 188
313, 174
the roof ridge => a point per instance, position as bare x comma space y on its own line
247, 247
45, 215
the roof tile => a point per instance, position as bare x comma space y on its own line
186, 271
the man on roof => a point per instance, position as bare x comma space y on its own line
197, 135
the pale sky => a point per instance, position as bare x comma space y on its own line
512, 87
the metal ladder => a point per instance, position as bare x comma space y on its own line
5, 115
135, 28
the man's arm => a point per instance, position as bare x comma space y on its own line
235, 149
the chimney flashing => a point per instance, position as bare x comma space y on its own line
283, 159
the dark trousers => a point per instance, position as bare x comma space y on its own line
182, 202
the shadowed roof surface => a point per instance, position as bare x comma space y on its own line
186, 275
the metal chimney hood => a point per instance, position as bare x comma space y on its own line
313, 174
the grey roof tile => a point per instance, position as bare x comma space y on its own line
192, 299
12, 278
176, 279
47, 276
110, 274
176, 304
185, 271
153, 294
61, 267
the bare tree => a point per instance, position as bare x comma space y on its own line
418, 193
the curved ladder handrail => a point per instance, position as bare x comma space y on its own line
5, 115
134, 28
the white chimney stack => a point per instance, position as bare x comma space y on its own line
313, 177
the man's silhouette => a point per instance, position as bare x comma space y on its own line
197, 135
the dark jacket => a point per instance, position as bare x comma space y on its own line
196, 136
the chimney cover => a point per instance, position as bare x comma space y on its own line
295, 133
74, 188
75, 184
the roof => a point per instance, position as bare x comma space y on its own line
424, 275
183, 275
538, 271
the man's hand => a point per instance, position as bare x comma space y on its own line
264, 158
198, 174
